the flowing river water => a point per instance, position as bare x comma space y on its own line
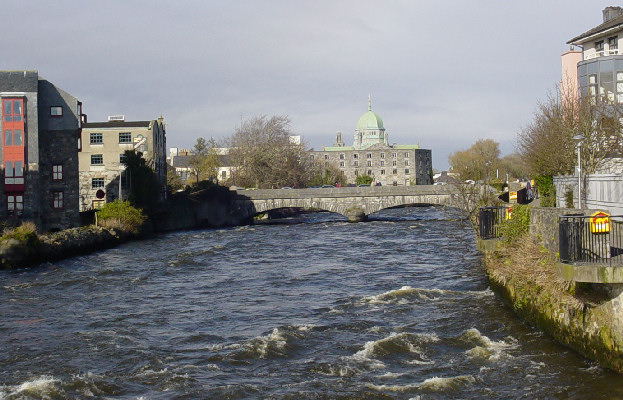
395, 308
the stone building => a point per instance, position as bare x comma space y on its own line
372, 155
102, 177
40, 131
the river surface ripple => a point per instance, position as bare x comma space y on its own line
395, 308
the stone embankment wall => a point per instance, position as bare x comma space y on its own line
585, 317
209, 208
54, 246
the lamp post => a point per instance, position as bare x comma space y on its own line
578, 140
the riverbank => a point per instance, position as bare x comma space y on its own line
584, 317
24, 250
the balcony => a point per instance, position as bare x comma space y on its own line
602, 53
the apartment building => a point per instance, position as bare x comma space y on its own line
41, 126
103, 144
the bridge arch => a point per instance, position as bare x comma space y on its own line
354, 203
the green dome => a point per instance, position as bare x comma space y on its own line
369, 120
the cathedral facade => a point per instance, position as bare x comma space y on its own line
372, 155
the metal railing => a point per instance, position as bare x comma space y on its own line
489, 220
589, 239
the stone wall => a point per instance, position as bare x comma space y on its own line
544, 225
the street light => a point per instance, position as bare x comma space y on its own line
578, 140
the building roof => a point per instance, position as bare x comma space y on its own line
19, 81
369, 120
118, 124
602, 28
180, 161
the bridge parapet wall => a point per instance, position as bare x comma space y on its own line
365, 200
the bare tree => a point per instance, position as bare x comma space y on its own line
265, 156
546, 142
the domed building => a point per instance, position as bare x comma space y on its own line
372, 155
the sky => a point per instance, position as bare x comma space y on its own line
441, 74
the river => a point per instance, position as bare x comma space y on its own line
394, 308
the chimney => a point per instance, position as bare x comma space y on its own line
612, 12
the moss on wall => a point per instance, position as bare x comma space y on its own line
585, 320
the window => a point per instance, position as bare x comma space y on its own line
407, 171
15, 204
382, 163
356, 172
125, 137
13, 137
56, 111
313, 157
395, 171
341, 163
406, 154
382, 155
613, 43
368, 155
123, 158
369, 163
57, 200
394, 155
12, 109
97, 159
394, 163
326, 156
97, 183
223, 174
599, 46
370, 172
14, 173
382, 172
356, 163
341, 156
355, 155
619, 76
96, 138
57, 172
406, 163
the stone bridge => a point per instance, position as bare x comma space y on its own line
356, 203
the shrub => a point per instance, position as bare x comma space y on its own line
518, 225
569, 198
547, 192
120, 215
25, 233
364, 180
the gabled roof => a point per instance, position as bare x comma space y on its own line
611, 24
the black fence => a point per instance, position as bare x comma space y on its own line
489, 220
591, 239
